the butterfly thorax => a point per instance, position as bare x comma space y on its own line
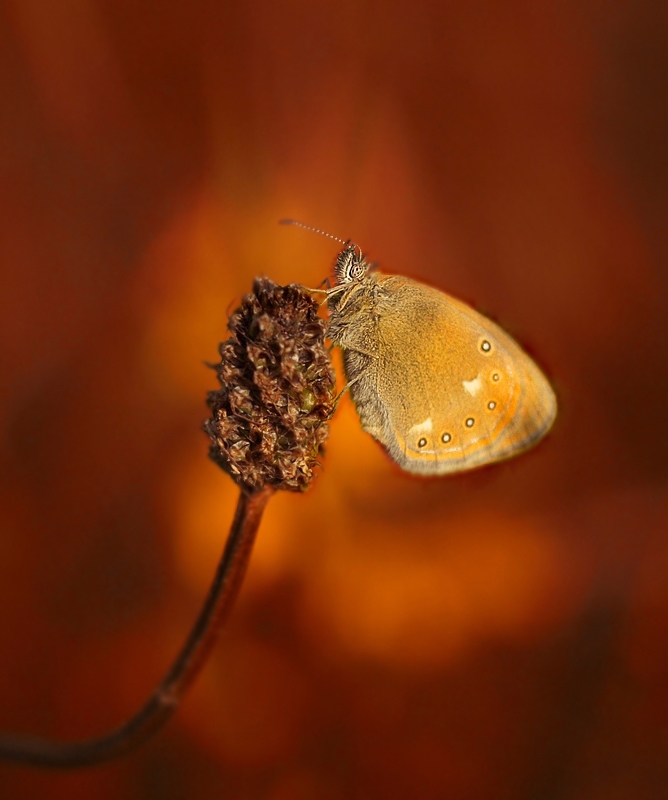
353, 314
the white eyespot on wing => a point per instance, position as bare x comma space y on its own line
422, 427
474, 386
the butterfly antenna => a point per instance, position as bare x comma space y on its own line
310, 228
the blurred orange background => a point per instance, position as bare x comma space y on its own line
502, 634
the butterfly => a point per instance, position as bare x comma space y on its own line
442, 387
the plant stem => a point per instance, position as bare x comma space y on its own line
166, 697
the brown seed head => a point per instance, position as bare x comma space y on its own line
269, 418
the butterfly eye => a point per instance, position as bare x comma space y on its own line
422, 442
346, 264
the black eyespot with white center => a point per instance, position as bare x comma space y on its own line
470, 422
491, 405
446, 438
422, 442
496, 377
485, 346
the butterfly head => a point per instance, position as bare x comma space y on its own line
350, 264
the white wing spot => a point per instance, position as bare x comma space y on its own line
423, 427
474, 386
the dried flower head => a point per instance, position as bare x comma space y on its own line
269, 418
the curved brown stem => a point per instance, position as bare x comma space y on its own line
167, 695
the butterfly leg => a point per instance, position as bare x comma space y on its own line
344, 390
328, 291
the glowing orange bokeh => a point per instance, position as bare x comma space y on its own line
495, 635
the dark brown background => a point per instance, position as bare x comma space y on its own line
497, 635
